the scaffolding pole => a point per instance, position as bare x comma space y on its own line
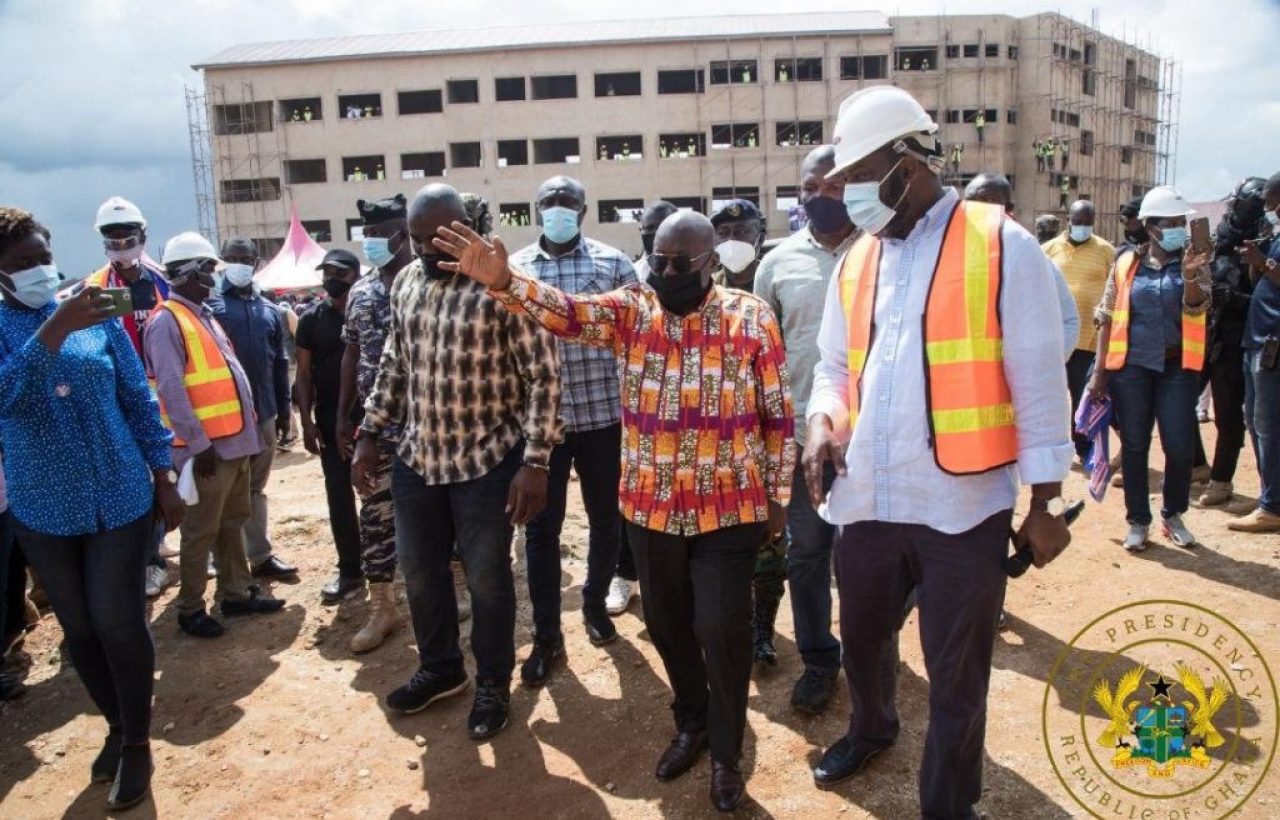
201, 165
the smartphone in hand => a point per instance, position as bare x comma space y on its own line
122, 299
1201, 241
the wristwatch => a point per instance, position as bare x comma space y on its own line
537, 465
1055, 506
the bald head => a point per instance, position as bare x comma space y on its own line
991, 188
1081, 212
566, 192
685, 232
819, 161
655, 215
433, 206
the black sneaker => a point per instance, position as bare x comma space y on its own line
813, 691
339, 588
489, 712
107, 764
544, 656
424, 689
255, 604
600, 628
200, 625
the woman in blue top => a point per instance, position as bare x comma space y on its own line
83, 440
1156, 385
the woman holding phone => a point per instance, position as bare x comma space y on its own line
1151, 341
88, 467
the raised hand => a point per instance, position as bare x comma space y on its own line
483, 260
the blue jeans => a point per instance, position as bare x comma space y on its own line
96, 585
1262, 412
594, 454
430, 518
1144, 399
809, 573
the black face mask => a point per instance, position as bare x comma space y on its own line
337, 288
431, 266
646, 239
680, 293
1137, 237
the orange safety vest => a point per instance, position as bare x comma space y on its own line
1193, 327
970, 406
210, 386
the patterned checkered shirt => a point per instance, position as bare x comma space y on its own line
468, 379
707, 427
589, 375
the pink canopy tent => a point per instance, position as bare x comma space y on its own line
294, 267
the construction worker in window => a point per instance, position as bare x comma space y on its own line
980, 123
930, 421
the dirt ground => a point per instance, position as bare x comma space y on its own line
278, 720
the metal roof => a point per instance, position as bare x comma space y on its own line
564, 35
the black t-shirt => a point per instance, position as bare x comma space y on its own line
320, 332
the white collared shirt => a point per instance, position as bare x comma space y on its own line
892, 473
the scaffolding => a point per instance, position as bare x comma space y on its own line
1113, 103
249, 201
201, 165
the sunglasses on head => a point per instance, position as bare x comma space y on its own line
679, 262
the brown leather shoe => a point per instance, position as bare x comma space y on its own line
727, 786
680, 755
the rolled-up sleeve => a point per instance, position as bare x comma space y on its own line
831, 374
1033, 345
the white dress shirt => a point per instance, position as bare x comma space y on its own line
892, 473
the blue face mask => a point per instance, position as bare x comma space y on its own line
1080, 233
377, 251
866, 210
559, 224
1173, 239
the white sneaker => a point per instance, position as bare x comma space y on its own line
1178, 533
212, 572
619, 597
157, 580
1136, 541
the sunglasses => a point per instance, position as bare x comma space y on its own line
679, 262
122, 243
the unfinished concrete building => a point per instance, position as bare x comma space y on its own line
696, 111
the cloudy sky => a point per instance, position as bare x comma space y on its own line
92, 90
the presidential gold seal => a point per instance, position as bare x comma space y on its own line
1161, 710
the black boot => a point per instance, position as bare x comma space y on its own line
133, 780
763, 616
108, 761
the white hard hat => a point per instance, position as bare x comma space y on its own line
1164, 201
189, 245
118, 211
874, 117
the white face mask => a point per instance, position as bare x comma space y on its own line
34, 287
238, 275
736, 255
866, 209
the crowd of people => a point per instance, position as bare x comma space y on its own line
741, 422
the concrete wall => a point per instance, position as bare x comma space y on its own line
998, 82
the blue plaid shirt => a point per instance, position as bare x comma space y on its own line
588, 375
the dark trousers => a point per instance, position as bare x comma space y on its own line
96, 586
1144, 399
430, 519
696, 593
809, 573
1227, 376
1262, 408
626, 558
960, 585
594, 454
1079, 366
15, 590
344, 521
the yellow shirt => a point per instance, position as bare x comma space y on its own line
1085, 267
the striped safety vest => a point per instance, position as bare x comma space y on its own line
1193, 327
211, 387
970, 407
